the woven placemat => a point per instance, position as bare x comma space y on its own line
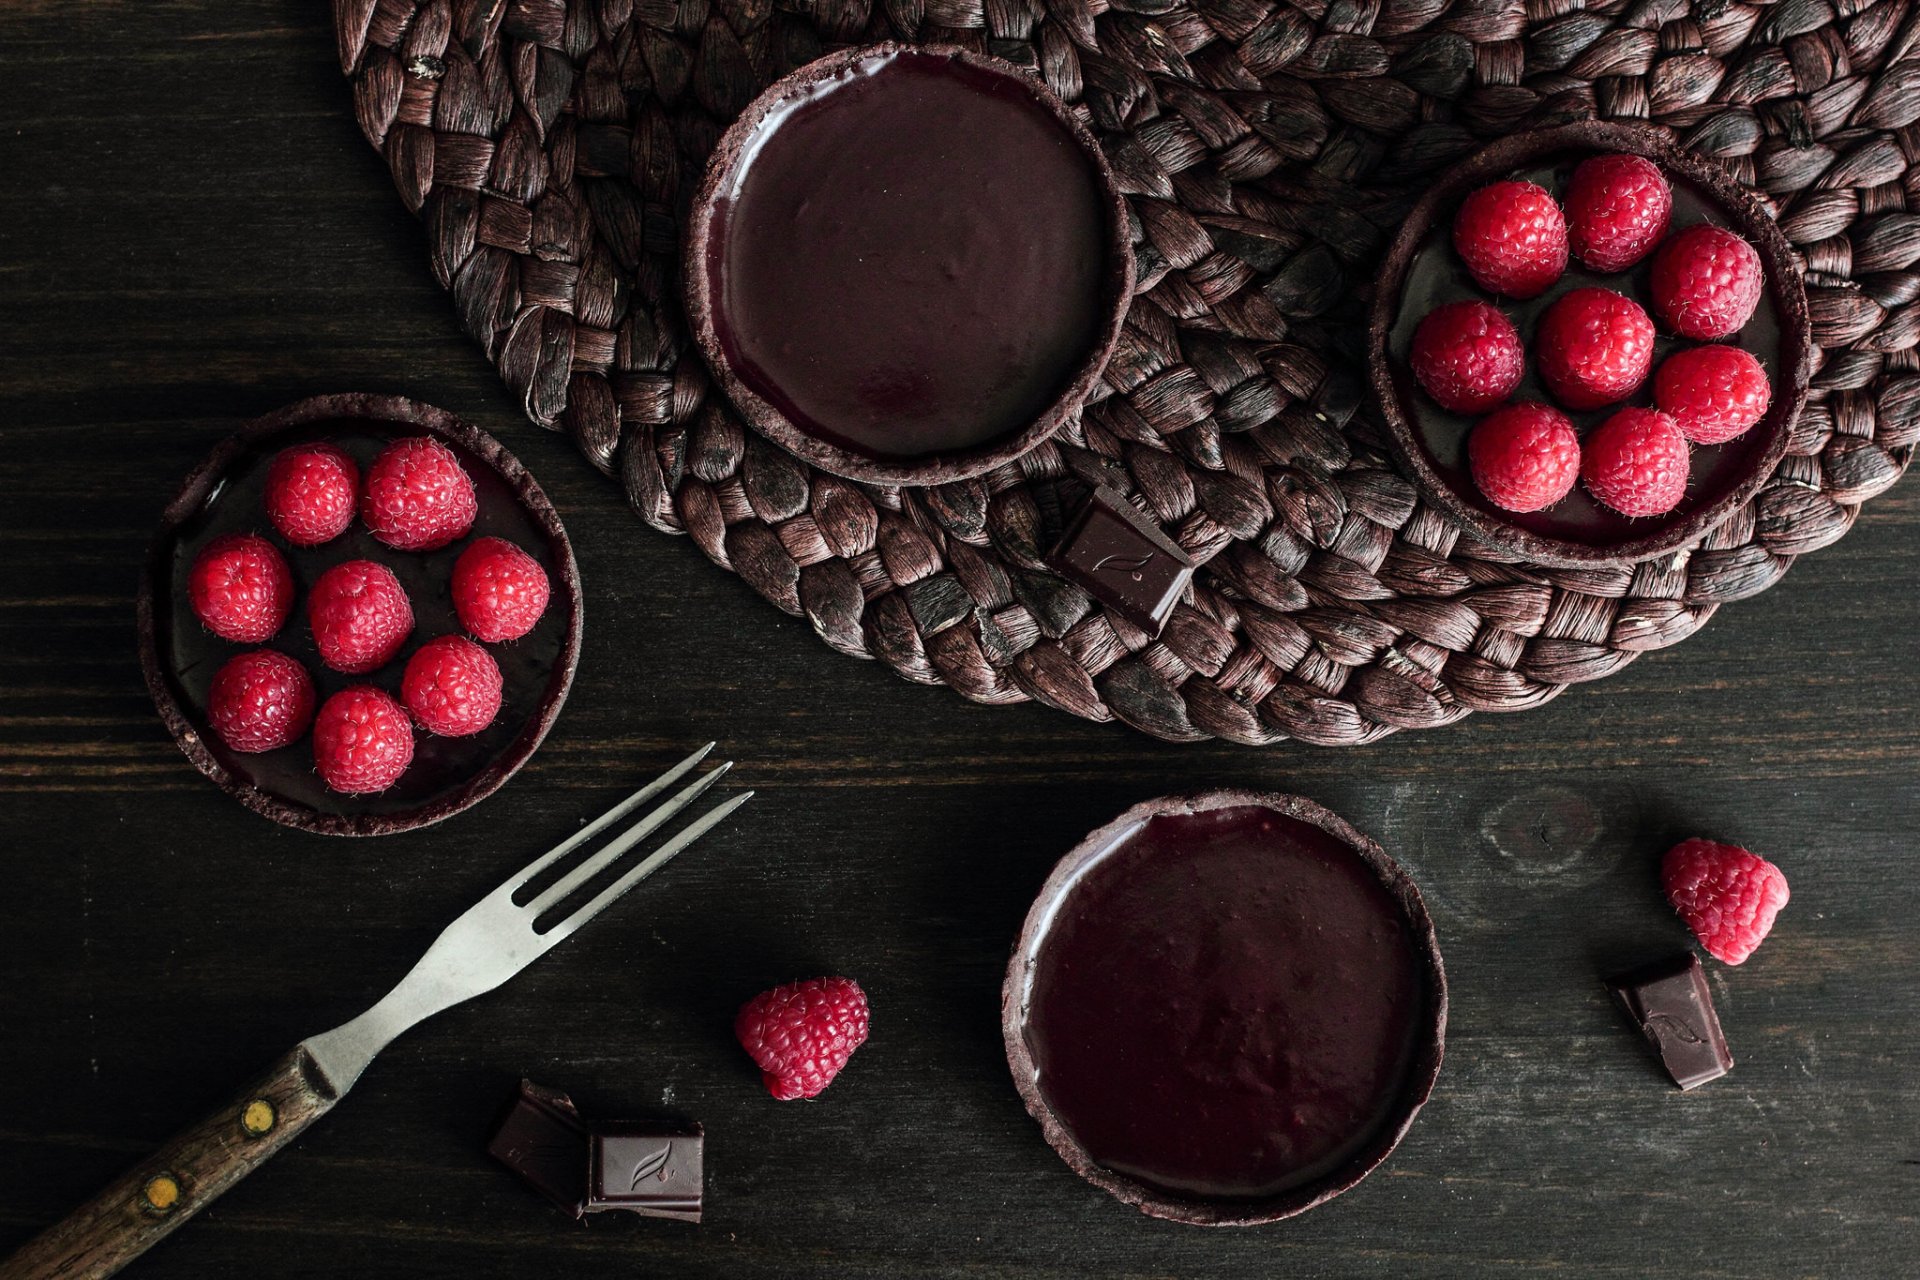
1269, 152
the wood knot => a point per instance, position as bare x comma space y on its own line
1544, 832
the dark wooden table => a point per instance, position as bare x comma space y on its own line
192, 232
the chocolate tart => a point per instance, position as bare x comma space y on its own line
1225, 1009
908, 264
223, 495
1422, 271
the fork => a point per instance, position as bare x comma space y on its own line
491, 942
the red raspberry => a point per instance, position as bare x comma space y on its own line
1715, 394
1468, 356
417, 497
1513, 238
360, 616
800, 1035
1706, 283
1727, 896
499, 591
261, 700
241, 588
1525, 457
1594, 347
311, 490
1636, 463
452, 687
1617, 210
361, 741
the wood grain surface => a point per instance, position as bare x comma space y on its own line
192, 232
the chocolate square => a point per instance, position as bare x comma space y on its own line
544, 1141
646, 1170
1673, 1008
1124, 560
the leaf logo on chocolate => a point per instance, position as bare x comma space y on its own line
1679, 1028
653, 1164
1129, 565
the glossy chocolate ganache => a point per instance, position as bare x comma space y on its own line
1226, 1005
911, 255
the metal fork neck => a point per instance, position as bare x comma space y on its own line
344, 1052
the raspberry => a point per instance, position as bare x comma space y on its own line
261, 700
311, 490
241, 588
1714, 394
361, 741
1706, 283
1467, 356
1617, 210
1594, 347
1525, 457
499, 591
360, 616
1727, 896
1636, 463
800, 1035
452, 687
1513, 238
417, 497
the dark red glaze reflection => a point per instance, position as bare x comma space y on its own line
1226, 1005
912, 259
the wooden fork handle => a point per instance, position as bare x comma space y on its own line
182, 1178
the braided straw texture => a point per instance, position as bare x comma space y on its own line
1269, 151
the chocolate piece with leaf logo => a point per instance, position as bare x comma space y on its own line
1670, 1003
1124, 560
648, 1170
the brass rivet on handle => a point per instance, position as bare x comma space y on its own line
257, 1118
162, 1193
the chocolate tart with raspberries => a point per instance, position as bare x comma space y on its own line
1225, 1009
227, 495
1424, 271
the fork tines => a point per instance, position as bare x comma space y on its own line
577, 878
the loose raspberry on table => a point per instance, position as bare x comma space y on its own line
241, 588
1618, 207
499, 591
1636, 463
1593, 347
1513, 238
362, 741
360, 616
1728, 896
1706, 283
261, 700
801, 1034
1714, 393
311, 493
417, 496
452, 687
1524, 457
1468, 356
